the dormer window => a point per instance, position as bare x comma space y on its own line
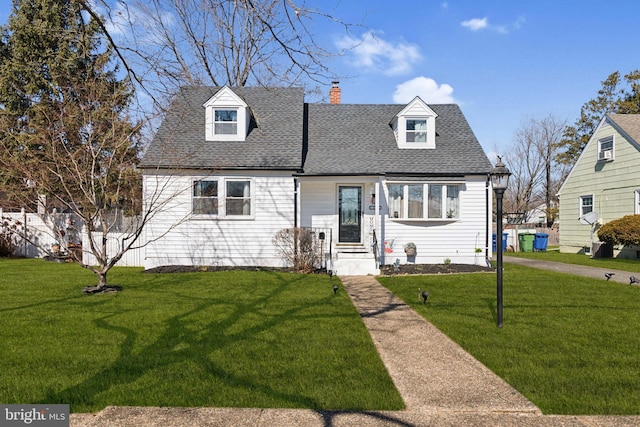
416, 130
225, 122
415, 126
226, 117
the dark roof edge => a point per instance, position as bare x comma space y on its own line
396, 175
216, 168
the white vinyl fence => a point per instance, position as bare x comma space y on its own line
34, 238
132, 258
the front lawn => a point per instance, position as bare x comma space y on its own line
569, 344
224, 339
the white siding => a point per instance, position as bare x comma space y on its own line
436, 241
176, 238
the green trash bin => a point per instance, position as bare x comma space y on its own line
526, 241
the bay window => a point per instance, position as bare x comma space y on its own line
408, 201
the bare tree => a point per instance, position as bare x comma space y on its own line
170, 43
536, 173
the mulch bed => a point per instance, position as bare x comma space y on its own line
433, 269
385, 269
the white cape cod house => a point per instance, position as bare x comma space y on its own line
229, 168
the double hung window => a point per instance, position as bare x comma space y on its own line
225, 122
230, 198
205, 197
416, 130
605, 148
586, 204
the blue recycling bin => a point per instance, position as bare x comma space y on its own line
504, 242
540, 242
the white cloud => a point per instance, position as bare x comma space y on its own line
375, 54
476, 24
426, 88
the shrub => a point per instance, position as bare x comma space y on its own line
621, 231
7, 245
299, 248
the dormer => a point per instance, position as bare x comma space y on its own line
226, 117
415, 125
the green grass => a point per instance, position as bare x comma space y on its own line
569, 344
224, 339
581, 259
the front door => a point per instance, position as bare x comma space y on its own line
349, 214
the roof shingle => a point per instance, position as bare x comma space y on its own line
353, 139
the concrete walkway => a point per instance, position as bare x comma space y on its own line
441, 384
578, 270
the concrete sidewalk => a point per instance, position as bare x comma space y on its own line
441, 384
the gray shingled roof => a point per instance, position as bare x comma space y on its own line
274, 140
357, 139
341, 138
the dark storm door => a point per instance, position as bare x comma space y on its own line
349, 214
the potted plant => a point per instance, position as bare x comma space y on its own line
410, 249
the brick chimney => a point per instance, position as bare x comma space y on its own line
334, 93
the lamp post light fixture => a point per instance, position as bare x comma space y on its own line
499, 181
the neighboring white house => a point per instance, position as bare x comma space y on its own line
603, 185
229, 168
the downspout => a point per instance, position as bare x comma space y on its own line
488, 222
295, 202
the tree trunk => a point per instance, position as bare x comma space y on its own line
102, 279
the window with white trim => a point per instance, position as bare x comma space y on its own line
225, 122
424, 201
636, 209
238, 198
205, 198
586, 204
223, 198
605, 148
227, 117
416, 130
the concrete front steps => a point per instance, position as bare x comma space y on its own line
354, 263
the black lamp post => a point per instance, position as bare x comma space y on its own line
499, 181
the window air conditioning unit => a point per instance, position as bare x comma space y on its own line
606, 155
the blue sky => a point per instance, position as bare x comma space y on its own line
503, 62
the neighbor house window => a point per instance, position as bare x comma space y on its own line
424, 201
605, 148
586, 205
636, 209
205, 197
225, 122
238, 198
416, 130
